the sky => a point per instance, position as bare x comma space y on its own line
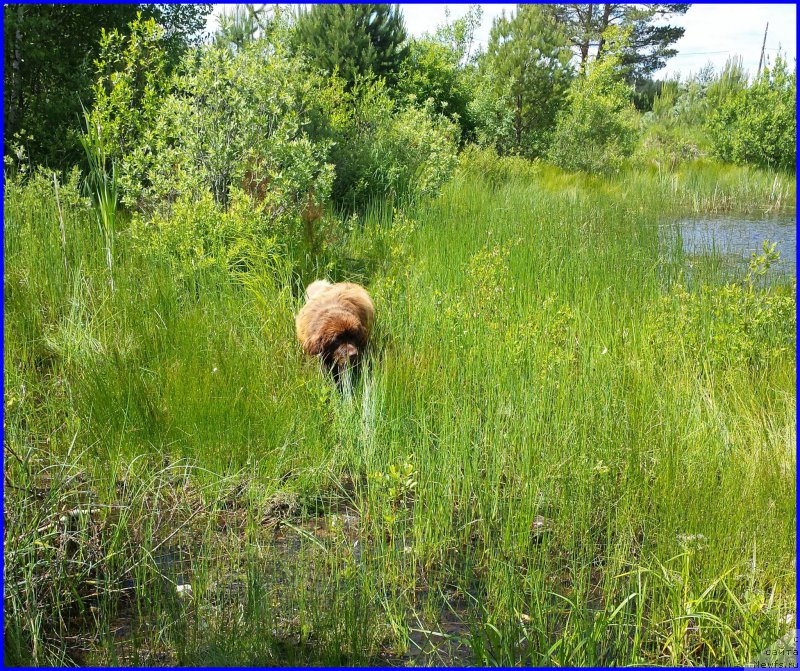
713, 31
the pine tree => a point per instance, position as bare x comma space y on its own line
649, 45
528, 58
358, 40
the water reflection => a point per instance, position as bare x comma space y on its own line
738, 236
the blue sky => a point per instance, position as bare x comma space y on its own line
713, 31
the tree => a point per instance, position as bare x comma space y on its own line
649, 45
184, 25
459, 35
599, 128
244, 24
48, 57
357, 40
528, 62
756, 124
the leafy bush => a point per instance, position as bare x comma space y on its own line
725, 326
132, 82
757, 124
251, 125
492, 115
746, 323
223, 130
380, 150
599, 128
200, 237
431, 72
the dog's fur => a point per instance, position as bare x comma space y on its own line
335, 323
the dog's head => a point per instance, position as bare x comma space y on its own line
341, 353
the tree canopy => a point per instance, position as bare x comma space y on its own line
48, 58
356, 40
649, 45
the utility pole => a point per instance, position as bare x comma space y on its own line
763, 44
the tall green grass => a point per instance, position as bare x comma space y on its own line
536, 466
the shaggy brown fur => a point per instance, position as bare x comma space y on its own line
335, 323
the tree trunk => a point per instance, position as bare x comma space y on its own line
603, 25
586, 35
15, 95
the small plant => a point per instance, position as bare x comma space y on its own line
759, 264
101, 186
395, 488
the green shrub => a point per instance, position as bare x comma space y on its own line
496, 169
757, 124
736, 324
132, 83
431, 72
381, 151
200, 237
599, 128
223, 130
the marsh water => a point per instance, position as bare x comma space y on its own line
736, 237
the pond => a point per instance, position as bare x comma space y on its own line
736, 236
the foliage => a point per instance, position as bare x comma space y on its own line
432, 72
527, 66
757, 124
200, 237
252, 122
221, 122
353, 40
727, 326
672, 135
241, 25
497, 170
48, 56
441, 67
129, 93
381, 151
247, 23
490, 110
649, 45
598, 130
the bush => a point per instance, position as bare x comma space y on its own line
199, 237
492, 115
728, 326
432, 72
599, 128
381, 151
757, 124
224, 129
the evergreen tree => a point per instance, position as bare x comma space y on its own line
649, 45
358, 40
244, 24
528, 63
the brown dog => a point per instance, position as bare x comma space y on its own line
335, 323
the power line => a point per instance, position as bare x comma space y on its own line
727, 51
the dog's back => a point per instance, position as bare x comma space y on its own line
336, 321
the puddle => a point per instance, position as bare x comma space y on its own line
737, 236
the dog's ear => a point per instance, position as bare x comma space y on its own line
314, 345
